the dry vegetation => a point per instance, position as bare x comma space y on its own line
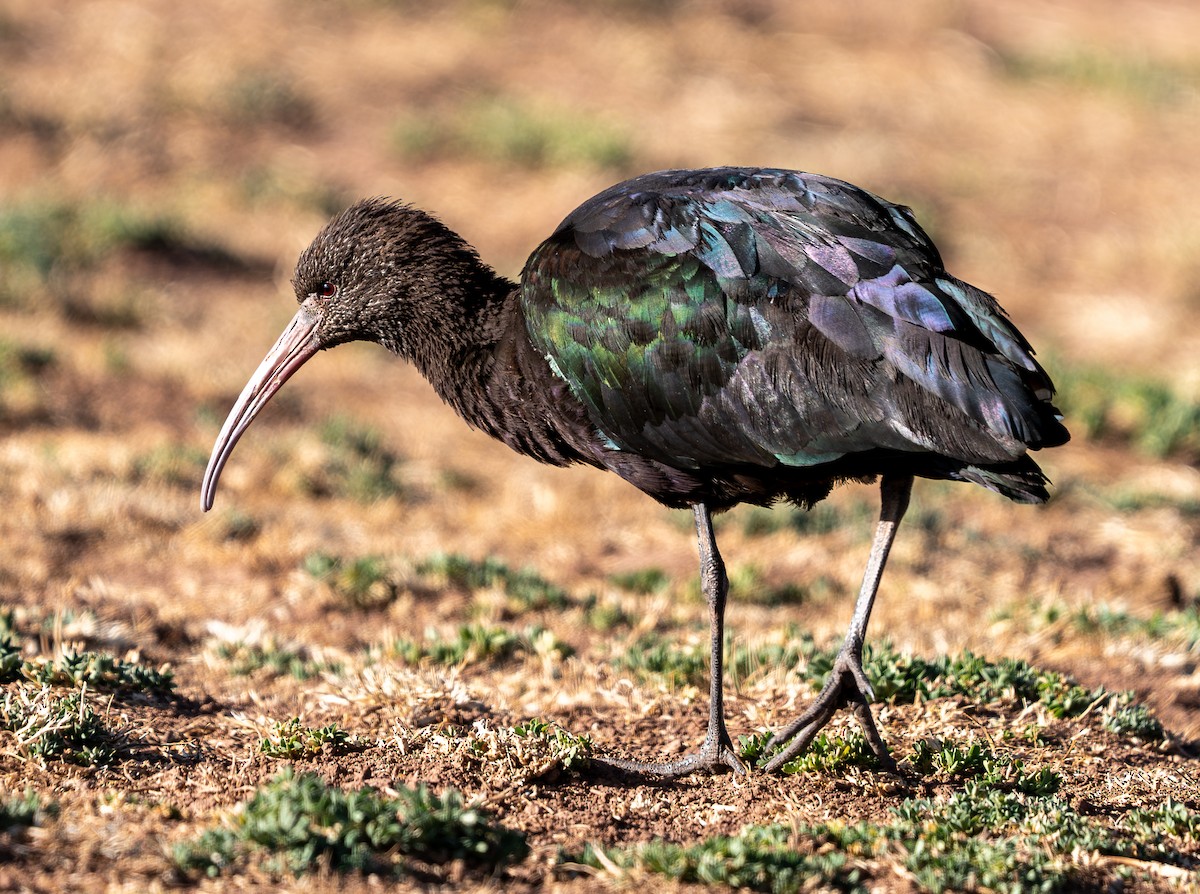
385, 598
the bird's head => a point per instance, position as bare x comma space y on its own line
376, 272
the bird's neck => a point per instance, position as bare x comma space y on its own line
481, 362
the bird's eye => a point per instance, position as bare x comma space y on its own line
327, 290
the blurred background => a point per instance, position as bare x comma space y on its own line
374, 564
162, 164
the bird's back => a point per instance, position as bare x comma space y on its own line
781, 326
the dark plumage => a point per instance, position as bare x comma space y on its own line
714, 337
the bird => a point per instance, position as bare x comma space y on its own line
714, 337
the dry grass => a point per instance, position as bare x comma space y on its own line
162, 164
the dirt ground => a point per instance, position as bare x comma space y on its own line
1049, 147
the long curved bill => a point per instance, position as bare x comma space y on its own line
294, 347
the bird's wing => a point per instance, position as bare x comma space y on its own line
754, 316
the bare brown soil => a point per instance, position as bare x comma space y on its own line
1063, 186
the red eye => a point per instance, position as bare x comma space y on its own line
327, 290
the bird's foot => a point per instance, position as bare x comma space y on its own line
847, 685
716, 754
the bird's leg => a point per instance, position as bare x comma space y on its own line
847, 683
717, 751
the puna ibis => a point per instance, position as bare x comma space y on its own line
714, 337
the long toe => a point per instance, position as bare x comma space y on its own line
847, 685
714, 756
799, 734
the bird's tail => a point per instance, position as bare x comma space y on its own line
1021, 480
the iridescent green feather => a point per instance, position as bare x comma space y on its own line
641, 355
